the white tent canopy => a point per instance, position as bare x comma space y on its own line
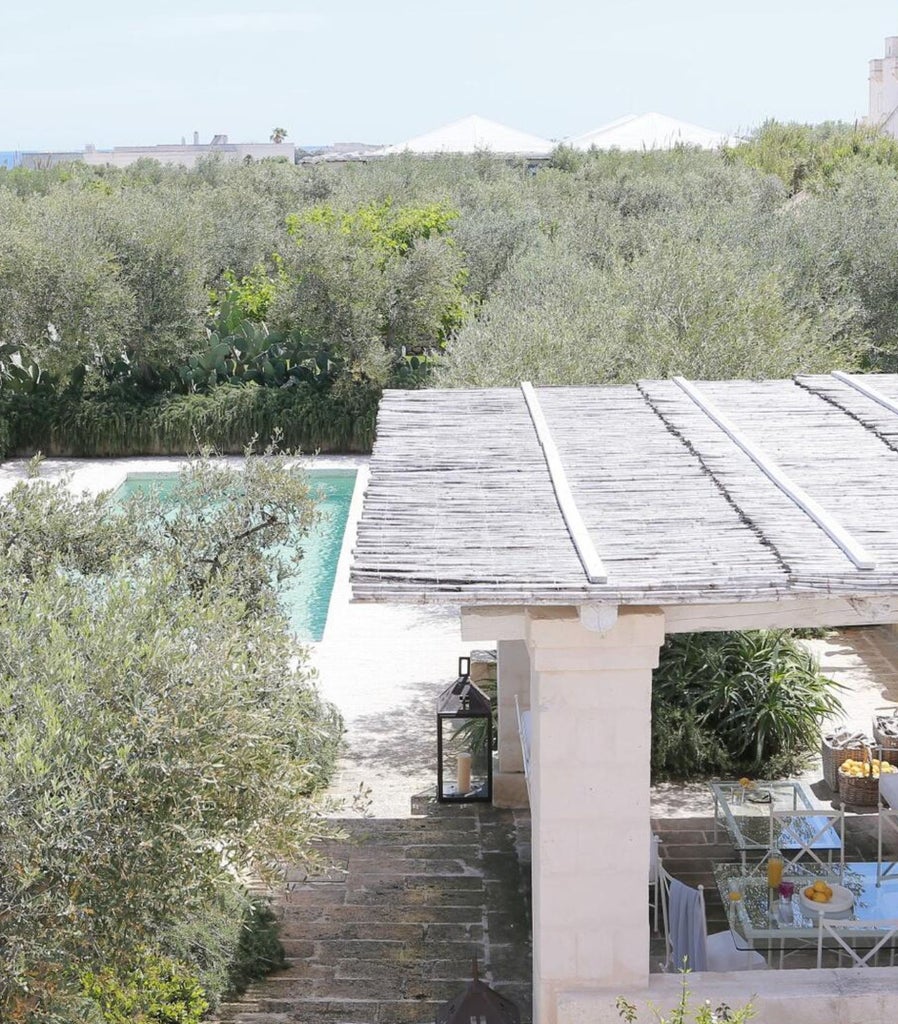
649, 131
474, 134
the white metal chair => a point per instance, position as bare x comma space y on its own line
689, 946
888, 815
524, 733
879, 934
800, 829
655, 880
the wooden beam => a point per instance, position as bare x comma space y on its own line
827, 522
586, 550
784, 614
867, 390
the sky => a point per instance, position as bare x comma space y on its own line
115, 72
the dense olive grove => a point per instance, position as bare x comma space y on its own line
126, 296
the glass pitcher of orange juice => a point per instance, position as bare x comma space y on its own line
774, 868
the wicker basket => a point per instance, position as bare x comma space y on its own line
833, 757
889, 744
859, 791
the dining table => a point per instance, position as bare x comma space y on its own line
743, 810
763, 920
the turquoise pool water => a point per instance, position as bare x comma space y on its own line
306, 598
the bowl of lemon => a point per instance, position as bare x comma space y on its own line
822, 897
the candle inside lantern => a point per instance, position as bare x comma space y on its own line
463, 773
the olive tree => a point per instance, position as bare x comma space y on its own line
161, 734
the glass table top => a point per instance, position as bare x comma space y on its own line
745, 812
759, 919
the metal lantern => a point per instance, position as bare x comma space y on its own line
464, 741
478, 1004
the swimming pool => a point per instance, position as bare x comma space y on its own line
306, 597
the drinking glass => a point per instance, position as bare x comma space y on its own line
787, 890
774, 869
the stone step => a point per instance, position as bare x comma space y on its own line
331, 1011
413, 932
388, 986
373, 912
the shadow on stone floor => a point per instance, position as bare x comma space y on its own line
403, 738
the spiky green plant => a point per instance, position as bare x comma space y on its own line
740, 700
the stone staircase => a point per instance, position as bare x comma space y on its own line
388, 933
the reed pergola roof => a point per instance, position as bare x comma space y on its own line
661, 492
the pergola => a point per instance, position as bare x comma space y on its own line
577, 526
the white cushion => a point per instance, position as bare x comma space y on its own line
888, 788
525, 735
723, 955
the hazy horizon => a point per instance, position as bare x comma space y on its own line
349, 71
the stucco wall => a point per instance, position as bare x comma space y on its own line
779, 997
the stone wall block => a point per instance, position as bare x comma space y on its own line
513, 680
616, 741
593, 688
613, 845
595, 947
633, 627
558, 954
594, 659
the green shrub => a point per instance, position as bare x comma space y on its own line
259, 950
157, 990
737, 701
227, 418
229, 942
683, 746
685, 1013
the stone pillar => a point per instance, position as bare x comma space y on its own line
591, 708
509, 784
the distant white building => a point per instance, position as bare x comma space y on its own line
648, 132
474, 134
338, 153
185, 155
884, 90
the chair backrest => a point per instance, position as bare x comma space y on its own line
654, 859
685, 927
524, 726
803, 832
655, 880
888, 789
856, 938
